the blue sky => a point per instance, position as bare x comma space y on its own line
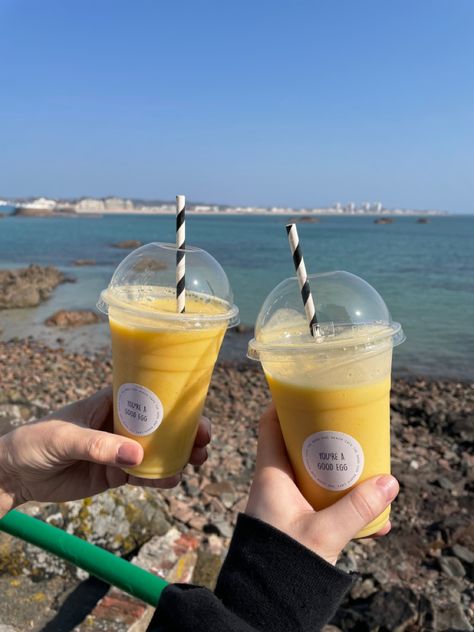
299, 103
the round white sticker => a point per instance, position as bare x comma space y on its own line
335, 460
140, 410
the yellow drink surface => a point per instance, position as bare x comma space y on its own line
175, 363
347, 401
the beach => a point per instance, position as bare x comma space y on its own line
420, 577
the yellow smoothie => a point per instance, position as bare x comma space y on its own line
333, 403
341, 415
330, 385
162, 371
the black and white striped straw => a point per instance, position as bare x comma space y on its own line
302, 277
180, 255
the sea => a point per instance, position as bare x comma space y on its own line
425, 273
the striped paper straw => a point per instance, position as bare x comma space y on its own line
180, 255
302, 277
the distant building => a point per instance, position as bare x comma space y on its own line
118, 204
41, 203
350, 208
90, 205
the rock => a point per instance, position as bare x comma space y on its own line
305, 219
207, 569
241, 328
26, 604
450, 617
11, 416
220, 527
219, 489
463, 426
394, 610
128, 244
85, 262
172, 556
463, 553
451, 566
181, 510
72, 318
148, 263
363, 589
28, 287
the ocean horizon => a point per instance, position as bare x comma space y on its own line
424, 272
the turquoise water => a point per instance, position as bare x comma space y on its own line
425, 272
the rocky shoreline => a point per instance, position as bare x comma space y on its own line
28, 287
420, 577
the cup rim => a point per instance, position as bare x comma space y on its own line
169, 246
315, 346
231, 316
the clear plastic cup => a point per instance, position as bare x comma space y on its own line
332, 391
163, 360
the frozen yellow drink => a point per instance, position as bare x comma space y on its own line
174, 366
336, 434
163, 360
332, 392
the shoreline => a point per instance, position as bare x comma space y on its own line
286, 214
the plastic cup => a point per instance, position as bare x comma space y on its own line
163, 360
331, 392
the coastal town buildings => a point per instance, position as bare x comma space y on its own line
117, 205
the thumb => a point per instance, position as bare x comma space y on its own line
104, 448
358, 508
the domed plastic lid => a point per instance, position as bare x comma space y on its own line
144, 287
350, 312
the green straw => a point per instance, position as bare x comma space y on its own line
96, 561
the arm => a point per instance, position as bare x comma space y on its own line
268, 582
279, 573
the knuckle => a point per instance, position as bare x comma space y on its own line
362, 506
98, 447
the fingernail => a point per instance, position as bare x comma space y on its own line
127, 454
389, 485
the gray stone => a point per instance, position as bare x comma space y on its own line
27, 287
394, 610
451, 566
128, 244
463, 553
27, 604
363, 589
451, 617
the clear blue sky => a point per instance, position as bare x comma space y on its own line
252, 101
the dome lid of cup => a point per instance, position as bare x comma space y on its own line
149, 273
349, 311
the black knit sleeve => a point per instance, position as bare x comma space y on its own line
267, 582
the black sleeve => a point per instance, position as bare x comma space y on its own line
268, 582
